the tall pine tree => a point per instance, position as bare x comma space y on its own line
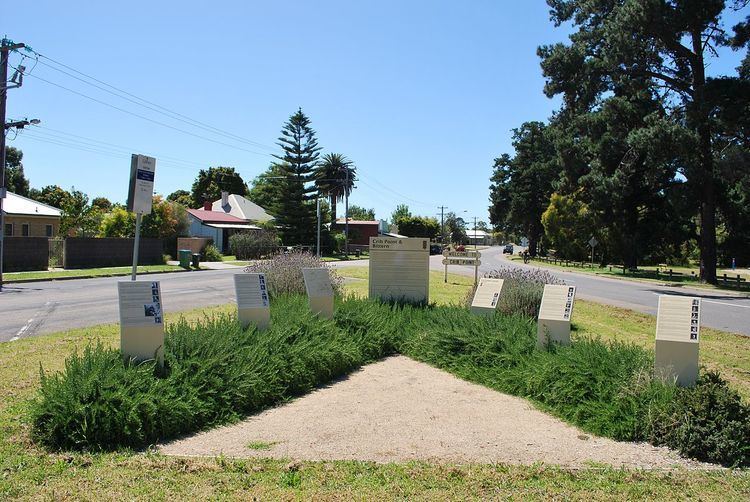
295, 209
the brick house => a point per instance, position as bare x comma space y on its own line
360, 231
25, 217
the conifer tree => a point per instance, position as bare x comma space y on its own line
295, 209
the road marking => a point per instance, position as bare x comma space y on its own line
727, 304
21, 331
38, 319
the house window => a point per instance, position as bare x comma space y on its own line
9, 229
24, 229
48, 231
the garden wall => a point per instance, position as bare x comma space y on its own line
85, 252
194, 244
25, 253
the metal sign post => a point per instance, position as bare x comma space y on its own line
140, 197
592, 242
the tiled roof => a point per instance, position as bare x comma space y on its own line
214, 216
342, 221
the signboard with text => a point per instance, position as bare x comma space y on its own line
487, 296
678, 323
141, 189
253, 306
554, 314
141, 320
399, 269
319, 291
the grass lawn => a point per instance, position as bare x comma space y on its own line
647, 273
88, 272
28, 472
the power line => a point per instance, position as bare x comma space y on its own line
143, 117
151, 105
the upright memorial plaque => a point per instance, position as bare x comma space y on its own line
141, 321
400, 269
319, 291
554, 315
677, 335
253, 306
487, 296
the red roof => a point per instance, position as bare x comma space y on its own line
215, 216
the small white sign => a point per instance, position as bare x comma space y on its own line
487, 294
319, 291
141, 190
593, 242
317, 281
253, 306
555, 312
678, 319
141, 320
458, 260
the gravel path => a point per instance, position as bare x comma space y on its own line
399, 410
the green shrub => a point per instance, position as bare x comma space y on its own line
211, 253
284, 272
216, 373
254, 245
522, 290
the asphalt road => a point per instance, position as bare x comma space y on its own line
726, 311
46, 307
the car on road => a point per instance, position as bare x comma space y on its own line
508, 249
436, 249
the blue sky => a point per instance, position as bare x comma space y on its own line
421, 95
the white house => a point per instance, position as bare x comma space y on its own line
242, 208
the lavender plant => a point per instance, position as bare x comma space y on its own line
284, 272
522, 291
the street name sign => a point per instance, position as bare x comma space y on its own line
141, 189
319, 291
678, 324
487, 296
555, 312
400, 269
141, 321
469, 258
253, 306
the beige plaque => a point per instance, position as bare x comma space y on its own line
555, 312
487, 296
400, 269
677, 337
319, 291
141, 321
253, 306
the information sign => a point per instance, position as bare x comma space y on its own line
677, 338
487, 296
141, 321
319, 291
400, 269
253, 306
141, 190
554, 314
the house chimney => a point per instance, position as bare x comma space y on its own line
207, 205
224, 199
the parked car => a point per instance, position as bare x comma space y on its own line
508, 249
436, 249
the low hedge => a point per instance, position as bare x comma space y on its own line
215, 374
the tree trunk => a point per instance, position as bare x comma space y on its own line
706, 179
333, 210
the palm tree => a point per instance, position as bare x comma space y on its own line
334, 178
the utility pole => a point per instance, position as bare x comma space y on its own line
346, 213
442, 223
5, 47
318, 213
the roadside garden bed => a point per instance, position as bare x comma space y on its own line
216, 374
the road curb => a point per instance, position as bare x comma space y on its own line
98, 276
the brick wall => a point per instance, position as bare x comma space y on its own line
85, 252
25, 253
194, 244
37, 225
